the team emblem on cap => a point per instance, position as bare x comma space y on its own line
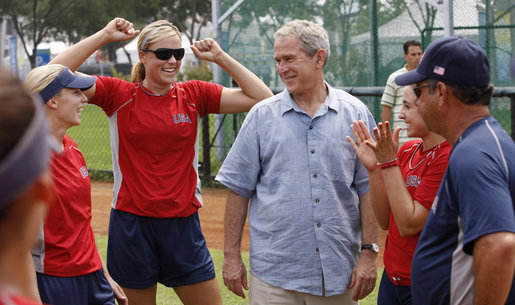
439, 70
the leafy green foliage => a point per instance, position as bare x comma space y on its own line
196, 71
33, 20
190, 16
73, 20
270, 15
342, 18
120, 75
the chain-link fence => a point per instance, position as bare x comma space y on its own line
366, 43
365, 48
92, 136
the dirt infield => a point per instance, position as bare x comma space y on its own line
211, 215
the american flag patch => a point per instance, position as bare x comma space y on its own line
439, 70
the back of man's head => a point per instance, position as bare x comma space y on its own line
460, 64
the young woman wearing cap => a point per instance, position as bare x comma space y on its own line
69, 267
403, 184
26, 188
154, 230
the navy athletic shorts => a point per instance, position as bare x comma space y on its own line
389, 294
142, 251
89, 289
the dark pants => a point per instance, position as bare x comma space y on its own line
89, 289
389, 294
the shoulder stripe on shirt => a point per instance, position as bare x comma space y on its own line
124, 104
500, 149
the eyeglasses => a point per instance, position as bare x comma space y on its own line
417, 90
165, 53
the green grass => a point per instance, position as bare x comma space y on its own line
166, 296
92, 137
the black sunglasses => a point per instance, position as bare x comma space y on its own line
418, 89
165, 53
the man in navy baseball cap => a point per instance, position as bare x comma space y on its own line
456, 60
466, 252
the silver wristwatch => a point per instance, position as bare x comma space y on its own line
372, 247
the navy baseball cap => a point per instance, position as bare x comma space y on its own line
455, 60
66, 79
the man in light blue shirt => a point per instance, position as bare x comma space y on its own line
310, 211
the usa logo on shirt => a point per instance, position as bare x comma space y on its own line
83, 171
413, 180
181, 118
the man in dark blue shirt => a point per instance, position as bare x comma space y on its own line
466, 253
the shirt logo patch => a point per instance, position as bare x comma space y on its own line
181, 118
412, 180
83, 171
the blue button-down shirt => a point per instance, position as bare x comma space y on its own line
304, 179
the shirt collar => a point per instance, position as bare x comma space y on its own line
288, 104
471, 129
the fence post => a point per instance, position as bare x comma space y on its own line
206, 163
512, 106
374, 44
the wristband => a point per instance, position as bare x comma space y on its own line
394, 162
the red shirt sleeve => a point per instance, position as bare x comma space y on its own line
111, 93
205, 95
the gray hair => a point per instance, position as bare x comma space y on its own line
312, 37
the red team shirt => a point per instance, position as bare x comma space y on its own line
69, 247
422, 181
154, 142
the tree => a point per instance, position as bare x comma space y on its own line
339, 18
190, 16
349, 64
72, 20
270, 15
423, 16
33, 20
69, 21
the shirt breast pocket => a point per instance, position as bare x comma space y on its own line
340, 161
